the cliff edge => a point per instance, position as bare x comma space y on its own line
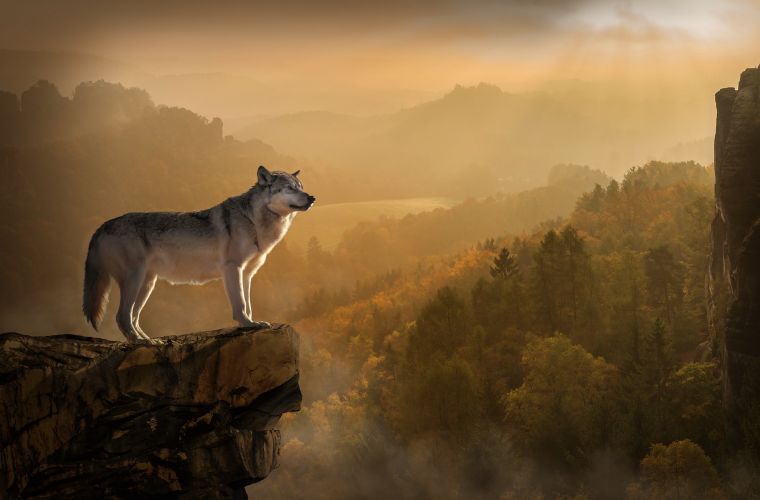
734, 276
193, 417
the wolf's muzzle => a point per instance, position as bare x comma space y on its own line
309, 202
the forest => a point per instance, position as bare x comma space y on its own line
547, 343
567, 362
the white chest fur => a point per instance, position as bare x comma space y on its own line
266, 238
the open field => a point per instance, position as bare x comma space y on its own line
327, 222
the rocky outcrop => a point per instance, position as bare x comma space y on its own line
734, 275
192, 417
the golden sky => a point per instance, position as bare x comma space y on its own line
420, 45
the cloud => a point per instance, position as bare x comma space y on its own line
74, 24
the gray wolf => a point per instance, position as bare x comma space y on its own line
230, 241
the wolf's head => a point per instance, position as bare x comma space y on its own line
285, 192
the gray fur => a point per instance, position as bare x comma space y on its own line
228, 241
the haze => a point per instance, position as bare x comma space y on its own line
375, 57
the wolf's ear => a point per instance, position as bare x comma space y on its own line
264, 176
295, 174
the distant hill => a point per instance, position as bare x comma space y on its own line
475, 140
19, 69
699, 150
213, 94
237, 98
391, 242
472, 141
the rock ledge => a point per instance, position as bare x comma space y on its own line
193, 417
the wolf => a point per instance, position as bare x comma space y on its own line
230, 241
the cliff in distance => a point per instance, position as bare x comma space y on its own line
192, 417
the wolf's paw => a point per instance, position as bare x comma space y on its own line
255, 324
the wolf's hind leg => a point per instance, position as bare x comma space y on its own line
129, 287
233, 285
247, 295
142, 298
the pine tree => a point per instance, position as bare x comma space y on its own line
504, 266
664, 281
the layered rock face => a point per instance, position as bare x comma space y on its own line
193, 417
734, 276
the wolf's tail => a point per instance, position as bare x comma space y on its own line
97, 284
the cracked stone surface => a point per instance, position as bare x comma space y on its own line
191, 417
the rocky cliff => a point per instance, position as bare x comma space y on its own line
734, 275
193, 417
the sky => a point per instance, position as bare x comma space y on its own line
405, 48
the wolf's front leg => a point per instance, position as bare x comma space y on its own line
247, 278
233, 284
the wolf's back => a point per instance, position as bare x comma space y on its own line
97, 283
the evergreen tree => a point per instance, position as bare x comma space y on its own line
563, 285
504, 266
498, 303
664, 281
441, 327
